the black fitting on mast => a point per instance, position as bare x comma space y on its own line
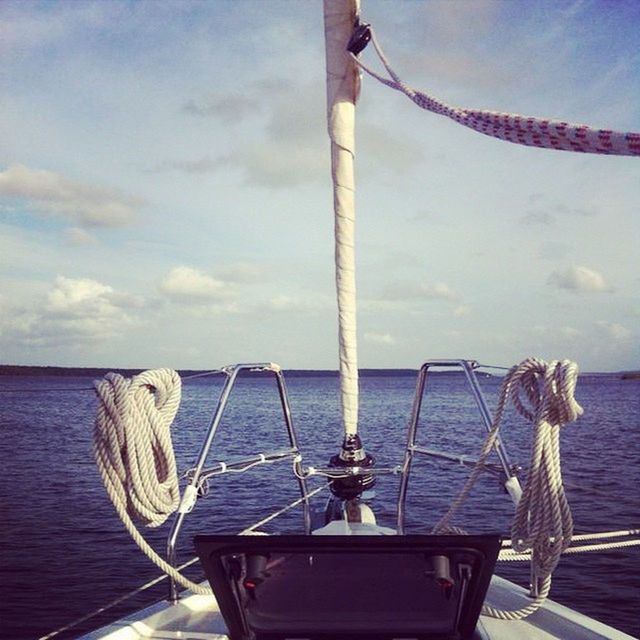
359, 38
352, 455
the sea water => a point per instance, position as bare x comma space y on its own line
64, 552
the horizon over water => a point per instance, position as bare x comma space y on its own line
64, 551
55, 369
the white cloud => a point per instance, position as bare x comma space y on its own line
186, 284
78, 297
23, 29
424, 291
241, 272
228, 108
546, 215
579, 278
429, 217
462, 310
77, 236
295, 303
569, 332
401, 154
461, 19
551, 249
292, 150
74, 312
614, 330
202, 164
437, 290
374, 305
581, 212
5, 310
536, 218
51, 193
280, 165
461, 67
385, 339
268, 164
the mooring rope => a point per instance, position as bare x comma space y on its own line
509, 555
134, 453
527, 130
542, 523
600, 535
248, 531
114, 602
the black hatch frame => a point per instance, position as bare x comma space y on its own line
329, 587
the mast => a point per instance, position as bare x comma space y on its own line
343, 83
342, 91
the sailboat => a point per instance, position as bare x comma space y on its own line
347, 576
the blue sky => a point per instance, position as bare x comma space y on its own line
165, 194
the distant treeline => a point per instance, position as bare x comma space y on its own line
19, 370
97, 372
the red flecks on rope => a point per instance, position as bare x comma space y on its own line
526, 130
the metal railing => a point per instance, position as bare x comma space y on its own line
508, 470
198, 475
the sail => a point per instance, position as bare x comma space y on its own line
342, 90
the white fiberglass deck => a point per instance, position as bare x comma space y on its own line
198, 618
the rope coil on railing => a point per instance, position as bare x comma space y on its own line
542, 522
543, 519
134, 453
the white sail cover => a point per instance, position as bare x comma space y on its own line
342, 89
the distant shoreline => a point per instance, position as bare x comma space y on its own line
31, 370
36, 370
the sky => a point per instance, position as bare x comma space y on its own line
165, 191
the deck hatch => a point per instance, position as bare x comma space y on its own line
321, 587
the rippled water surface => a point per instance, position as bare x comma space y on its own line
64, 552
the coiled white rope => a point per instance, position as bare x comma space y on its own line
543, 519
543, 393
134, 453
